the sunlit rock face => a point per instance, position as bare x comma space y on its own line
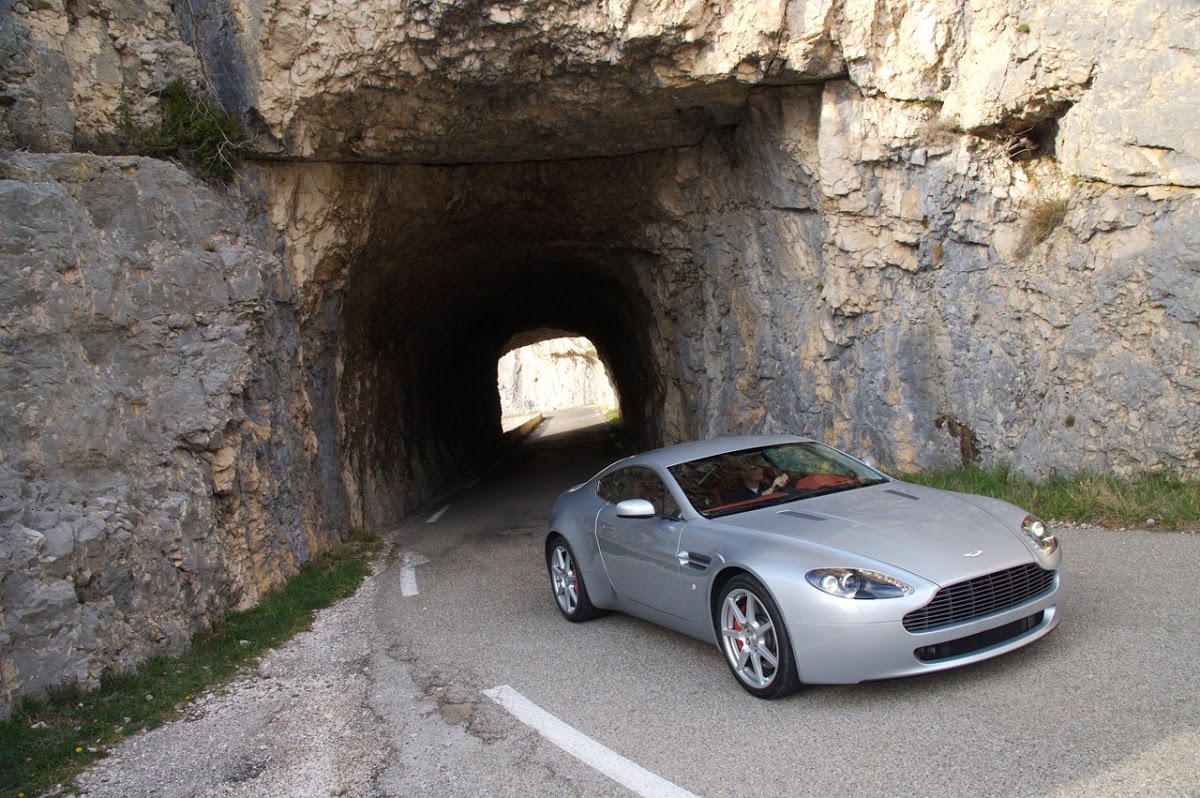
934, 232
553, 374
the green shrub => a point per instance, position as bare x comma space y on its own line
206, 135
192, 129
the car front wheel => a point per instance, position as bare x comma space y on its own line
755, 641
570, 593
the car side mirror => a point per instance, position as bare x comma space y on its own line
635, 508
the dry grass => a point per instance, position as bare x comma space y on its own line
1044, 218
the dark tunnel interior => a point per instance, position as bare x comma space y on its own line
462, 265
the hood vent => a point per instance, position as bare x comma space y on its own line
806, 516
902, 495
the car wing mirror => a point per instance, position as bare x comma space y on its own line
635, 508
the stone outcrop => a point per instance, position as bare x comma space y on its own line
932, 231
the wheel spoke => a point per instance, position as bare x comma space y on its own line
757, 669
565, 582
739, 618
767, 654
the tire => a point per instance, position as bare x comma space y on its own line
755, 640
566, 583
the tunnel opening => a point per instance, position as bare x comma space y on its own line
454, 268
419, 278
546, 370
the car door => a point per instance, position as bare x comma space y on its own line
641, 554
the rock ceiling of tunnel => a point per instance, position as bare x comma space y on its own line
454, 81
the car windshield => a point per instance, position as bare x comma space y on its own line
752, 478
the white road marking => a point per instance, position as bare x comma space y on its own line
437, 515
408, 572
621, 770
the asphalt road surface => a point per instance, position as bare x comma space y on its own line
394, 693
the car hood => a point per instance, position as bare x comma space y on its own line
934, 534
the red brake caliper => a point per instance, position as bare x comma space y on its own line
737, 627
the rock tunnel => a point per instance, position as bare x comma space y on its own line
453, 267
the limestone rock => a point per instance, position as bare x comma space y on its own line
128, 307
552, 374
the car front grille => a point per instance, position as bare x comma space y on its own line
978, 642
983, 595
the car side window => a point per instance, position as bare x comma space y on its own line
611, 487
638, 482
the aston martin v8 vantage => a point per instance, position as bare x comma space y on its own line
801, 563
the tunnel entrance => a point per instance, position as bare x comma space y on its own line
552, 374
451, 268
416, 279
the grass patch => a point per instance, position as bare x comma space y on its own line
1044, 218
50, 741
1086, 498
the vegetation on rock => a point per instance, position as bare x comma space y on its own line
192, 129
1159, 500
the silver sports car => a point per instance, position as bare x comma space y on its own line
801, 563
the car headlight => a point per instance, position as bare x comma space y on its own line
857, 583
1039, 534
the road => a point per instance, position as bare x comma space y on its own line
1107, 705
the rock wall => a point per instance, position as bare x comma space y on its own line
929, 230
560, 372
153, 462
892, 295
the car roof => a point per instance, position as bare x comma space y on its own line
696, 450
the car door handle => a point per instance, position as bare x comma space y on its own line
606, 527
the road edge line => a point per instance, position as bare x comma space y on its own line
621, 770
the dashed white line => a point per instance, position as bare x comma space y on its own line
408, 572
621, 770
437, 515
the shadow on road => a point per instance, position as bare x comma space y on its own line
568, 447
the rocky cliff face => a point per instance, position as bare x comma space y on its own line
147, 469
929, 230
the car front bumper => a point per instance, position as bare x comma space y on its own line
848, 653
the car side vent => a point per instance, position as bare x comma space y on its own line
699, 562
902, 494
806, 516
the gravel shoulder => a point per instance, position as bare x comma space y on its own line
339, 711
